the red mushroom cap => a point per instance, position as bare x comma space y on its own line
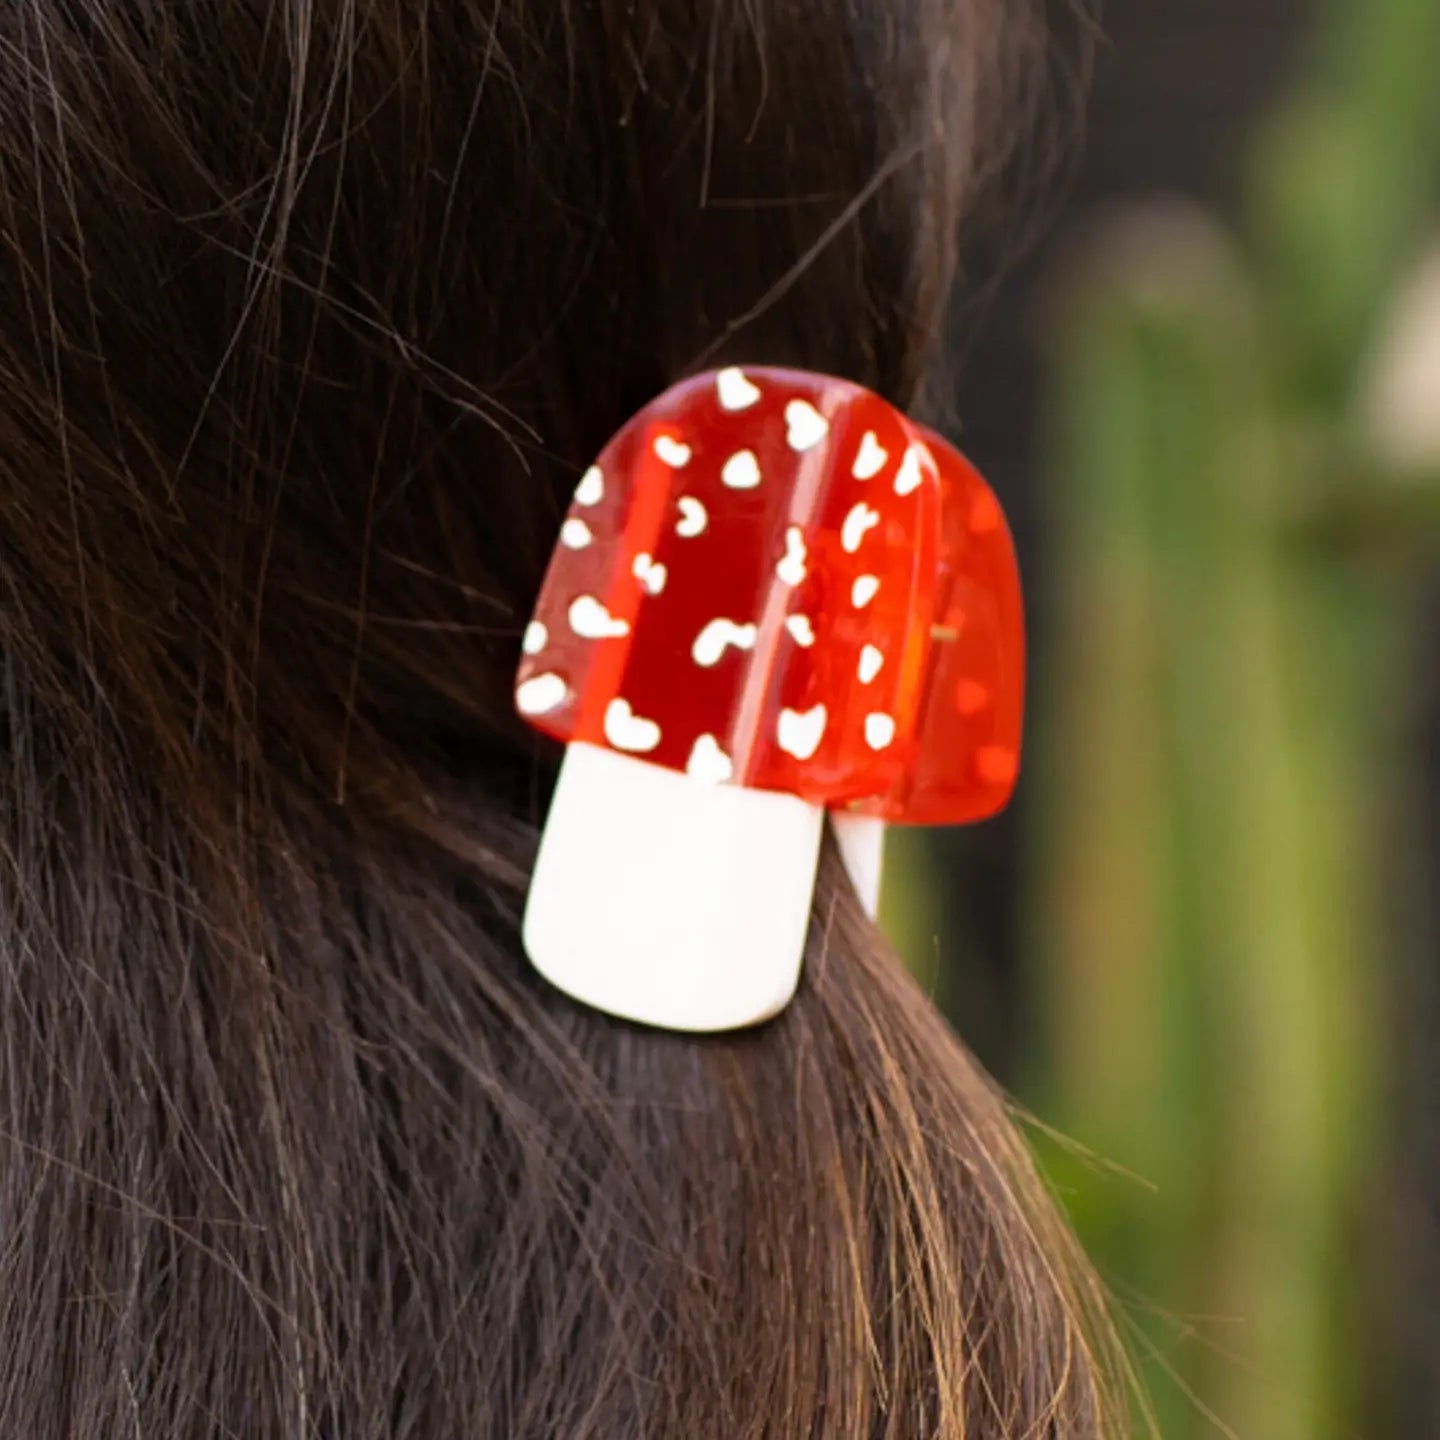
749, 586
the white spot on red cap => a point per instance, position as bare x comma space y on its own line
872, 661
864, 590
541, 694
536, 638
799, 732
575, 534
708, 763
735, 389
649, 574
801, 630
879, 730
871, 457
741, 471
675, 453
626, 730
858, 523
717, 637
591, 489
806, 427
590, 620
693, 518
912, 469
791, 570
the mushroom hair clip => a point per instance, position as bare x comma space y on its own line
774, 597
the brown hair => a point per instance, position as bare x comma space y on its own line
311, 313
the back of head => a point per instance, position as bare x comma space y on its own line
311, 314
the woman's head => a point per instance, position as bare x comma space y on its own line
310, 315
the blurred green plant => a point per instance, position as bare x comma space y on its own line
1246, 452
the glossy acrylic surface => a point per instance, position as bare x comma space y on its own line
967, 749
772, 578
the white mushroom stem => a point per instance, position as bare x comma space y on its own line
861, 839
671, 902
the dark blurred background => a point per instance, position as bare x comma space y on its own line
1202, 946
